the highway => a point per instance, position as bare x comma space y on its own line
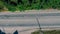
11, 21
29, 19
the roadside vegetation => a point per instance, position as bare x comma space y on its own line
48, 32
18, 5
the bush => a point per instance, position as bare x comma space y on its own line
1, 5
11, 8
30, 4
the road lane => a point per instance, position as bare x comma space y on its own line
28, 20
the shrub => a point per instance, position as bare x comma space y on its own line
1, 5
14, 5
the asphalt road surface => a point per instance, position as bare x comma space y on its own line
27, 19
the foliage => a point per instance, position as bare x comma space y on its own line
13, 5
1, 5
48, 32
12, 9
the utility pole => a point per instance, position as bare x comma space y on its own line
41, 32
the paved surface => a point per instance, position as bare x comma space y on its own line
28, 19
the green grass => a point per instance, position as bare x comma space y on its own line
48, 32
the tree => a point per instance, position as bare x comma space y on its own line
16, 32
